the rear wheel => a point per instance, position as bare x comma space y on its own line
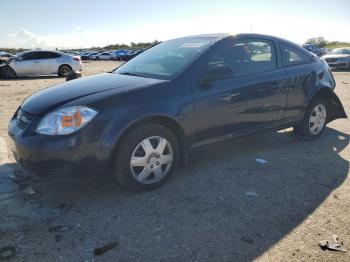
146, 158
8, 73
64, 70
315, 119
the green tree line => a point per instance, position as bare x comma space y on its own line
132, 46
323, 43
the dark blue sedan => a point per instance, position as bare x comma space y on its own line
142, 120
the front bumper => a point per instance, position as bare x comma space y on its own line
81, 152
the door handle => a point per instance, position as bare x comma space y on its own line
36, 62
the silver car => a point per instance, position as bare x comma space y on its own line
338, 58
36, 63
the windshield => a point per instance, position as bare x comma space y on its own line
166, 59
341, 51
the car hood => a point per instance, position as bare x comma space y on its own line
50, 98
336, 56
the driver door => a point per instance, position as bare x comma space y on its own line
253, 97
28, 64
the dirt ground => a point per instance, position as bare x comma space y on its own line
204, 213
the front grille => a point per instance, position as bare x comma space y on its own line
331, 60
53, 168
23, 118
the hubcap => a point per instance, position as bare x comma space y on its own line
151, 160
317, 119
65, 70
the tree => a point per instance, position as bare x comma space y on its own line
319, 41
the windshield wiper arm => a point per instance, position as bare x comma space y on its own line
130, 74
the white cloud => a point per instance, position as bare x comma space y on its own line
27, 38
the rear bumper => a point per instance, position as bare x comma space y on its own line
80, 153
77, 66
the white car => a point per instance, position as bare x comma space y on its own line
36, 63
104, 56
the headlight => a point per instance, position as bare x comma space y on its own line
65, 121
343, 59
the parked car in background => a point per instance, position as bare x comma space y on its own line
87, 55
35, 63
339, 58
314, 49
141, 120
93, 55
131, 54
104, 56
118, 54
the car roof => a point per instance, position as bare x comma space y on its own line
52, 51
214, 35
241, 35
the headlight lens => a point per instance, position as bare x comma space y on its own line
343, 59
65, 121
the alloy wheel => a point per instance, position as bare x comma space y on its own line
8, 73
65, 70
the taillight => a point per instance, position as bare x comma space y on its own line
76, 58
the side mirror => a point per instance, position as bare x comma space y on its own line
218, 72
19, 58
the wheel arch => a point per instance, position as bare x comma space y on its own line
63, 65
16, 75
165, 121
336, 109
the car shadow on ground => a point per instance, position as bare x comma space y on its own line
224, 206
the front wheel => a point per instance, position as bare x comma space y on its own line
146, 157
314, 121
8, 73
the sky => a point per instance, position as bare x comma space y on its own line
85, 23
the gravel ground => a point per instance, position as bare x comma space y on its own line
223, 207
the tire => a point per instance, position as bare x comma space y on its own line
7, 72
64, 70
314, 121
151, 173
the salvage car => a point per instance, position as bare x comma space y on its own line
141, 120
37, 63
6, 55
339, 58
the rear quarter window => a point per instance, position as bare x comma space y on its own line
292, 56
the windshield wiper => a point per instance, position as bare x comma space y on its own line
131, 74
